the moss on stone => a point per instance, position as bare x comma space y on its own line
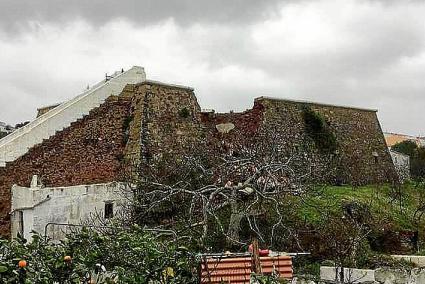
318, 129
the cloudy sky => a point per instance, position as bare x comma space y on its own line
366, 53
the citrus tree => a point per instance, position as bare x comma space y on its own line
87, 256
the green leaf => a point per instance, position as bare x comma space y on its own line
3, 269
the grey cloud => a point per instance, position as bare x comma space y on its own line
17, 14
212, 37
377, 48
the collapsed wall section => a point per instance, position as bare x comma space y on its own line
168, 121
359, 155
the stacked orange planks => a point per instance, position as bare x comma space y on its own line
237, 270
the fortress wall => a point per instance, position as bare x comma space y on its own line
361, 155
165, 121
151, 120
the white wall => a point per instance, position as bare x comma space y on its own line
69, 205
402, 164
351, 275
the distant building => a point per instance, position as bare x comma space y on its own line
5, 128
402, 164
45, 109
2, 126
393, 138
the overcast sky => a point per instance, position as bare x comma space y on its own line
365, 53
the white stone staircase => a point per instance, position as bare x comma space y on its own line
20, 141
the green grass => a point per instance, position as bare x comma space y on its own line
382, 202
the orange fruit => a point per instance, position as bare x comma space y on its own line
22, 264
67, 258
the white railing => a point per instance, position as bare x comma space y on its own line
17, 143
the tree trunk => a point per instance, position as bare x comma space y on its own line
235, 221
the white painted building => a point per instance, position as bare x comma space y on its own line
401, 163
36, 207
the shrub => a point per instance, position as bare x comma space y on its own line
406, 147
318, 129
417, 157
123, 257
184, 112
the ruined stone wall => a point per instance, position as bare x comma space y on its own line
165, 121
151, 120
89, 151
243, 124
360, 157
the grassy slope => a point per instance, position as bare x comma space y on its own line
383, 203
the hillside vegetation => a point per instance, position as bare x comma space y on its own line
399, 207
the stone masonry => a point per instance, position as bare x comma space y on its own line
152, 119
361, 156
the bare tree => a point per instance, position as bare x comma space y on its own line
203, 192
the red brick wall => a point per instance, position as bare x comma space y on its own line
247, 122
87, 152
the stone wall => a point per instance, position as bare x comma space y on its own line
43, 127
89, 151
167, 119
367, 276
151, 119
402, 165
351, 275
361, 156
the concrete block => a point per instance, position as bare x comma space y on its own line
392, 276
417, 276
351, 275
416, 259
